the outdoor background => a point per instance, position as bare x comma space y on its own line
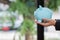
19, 14
50, 32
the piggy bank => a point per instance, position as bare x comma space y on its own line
42, 12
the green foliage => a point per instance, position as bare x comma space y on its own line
21, 7
26, 8
27, 26
58, 2
27, 12
52, 4
12, 6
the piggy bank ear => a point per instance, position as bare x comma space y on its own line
40, 7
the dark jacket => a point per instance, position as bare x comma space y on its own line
57, 25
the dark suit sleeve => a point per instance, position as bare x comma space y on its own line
57, 25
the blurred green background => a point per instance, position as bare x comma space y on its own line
27, 8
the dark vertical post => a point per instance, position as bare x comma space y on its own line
40, 2
40, 29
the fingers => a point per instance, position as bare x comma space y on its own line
45, 20
36, 21
43, 24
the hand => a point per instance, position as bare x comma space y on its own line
46, 22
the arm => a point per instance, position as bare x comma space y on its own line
47, 22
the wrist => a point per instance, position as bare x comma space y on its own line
54, 22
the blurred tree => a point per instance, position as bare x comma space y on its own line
27, 9
58, 2
52, 4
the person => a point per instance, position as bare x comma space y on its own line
50, 22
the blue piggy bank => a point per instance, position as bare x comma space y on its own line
42, 12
